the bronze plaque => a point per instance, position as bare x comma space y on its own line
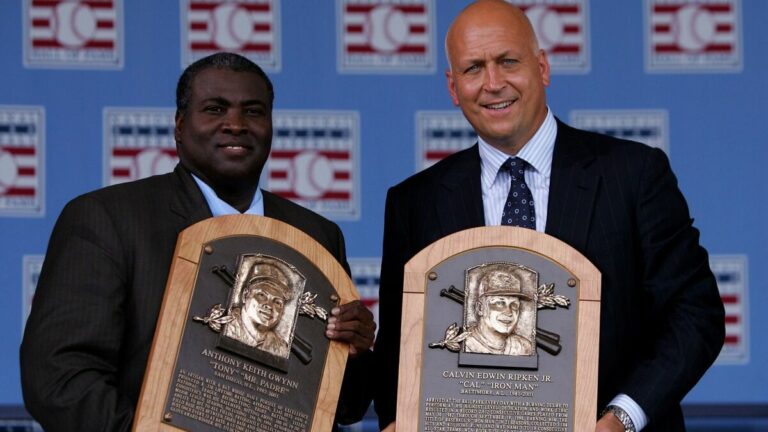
500, 332
253, 345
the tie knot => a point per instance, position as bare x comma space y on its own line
515, 165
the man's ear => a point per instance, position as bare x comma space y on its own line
479, 308
451, 87
179, 120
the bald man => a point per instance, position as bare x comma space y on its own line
616, 201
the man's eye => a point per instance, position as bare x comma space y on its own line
214, 109
472, 69
259, 111
508, 62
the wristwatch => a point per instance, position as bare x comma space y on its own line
622, 415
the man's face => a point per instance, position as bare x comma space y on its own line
264, 306
226, 133
501, 313
498, 77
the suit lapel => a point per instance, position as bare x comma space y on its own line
189, 204
573, 187
459, 202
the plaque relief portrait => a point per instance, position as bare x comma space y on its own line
500, 310
263, 308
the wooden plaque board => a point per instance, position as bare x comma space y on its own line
444, 389
246, 381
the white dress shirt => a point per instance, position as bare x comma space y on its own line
220, 208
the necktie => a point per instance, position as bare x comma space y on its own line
518, 210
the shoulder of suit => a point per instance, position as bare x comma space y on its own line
296, 211
427, 177
600, 144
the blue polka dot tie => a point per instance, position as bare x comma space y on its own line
518, 210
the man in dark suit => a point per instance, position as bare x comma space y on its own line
88, 337
617, 202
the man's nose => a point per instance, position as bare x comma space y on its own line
234, 122
493, 80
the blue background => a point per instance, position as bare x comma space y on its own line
717, 140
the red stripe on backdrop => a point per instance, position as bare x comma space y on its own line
439, 154
203, 6
45, 43
666, 49
666, 8
26, 171
724, 28
564, 9
571, 29
41, 22
341, 175
198, 26
732, 339
19, 151
278, 174
258, 47
290, 154
121, 172
104, 24
412, 9
354, 28
718, 48
125, 152
45, 3
359, 8
729, 299
721, 8
203, 46
102, 44
255, 7
20, 192
98, 4
412, 49
340, 195
566, 49
732, 319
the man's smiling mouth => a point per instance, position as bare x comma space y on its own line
499, 105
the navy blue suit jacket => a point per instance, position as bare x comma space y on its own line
618, 203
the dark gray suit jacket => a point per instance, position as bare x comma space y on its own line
617, 202
93, 318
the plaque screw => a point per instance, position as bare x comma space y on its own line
571, 282
168, 417
334, 298
208, 249
432, 276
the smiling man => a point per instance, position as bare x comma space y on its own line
615, 201
88, 337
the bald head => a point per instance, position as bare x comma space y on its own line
486, 12
497, 73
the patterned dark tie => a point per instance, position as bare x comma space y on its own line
518, 210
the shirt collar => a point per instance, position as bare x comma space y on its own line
220, 208
537, 152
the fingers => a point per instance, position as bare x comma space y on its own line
352, 323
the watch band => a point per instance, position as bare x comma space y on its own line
622, 415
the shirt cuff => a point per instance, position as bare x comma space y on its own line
639, 419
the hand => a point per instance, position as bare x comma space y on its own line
609, 423
352, 323
390, 428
